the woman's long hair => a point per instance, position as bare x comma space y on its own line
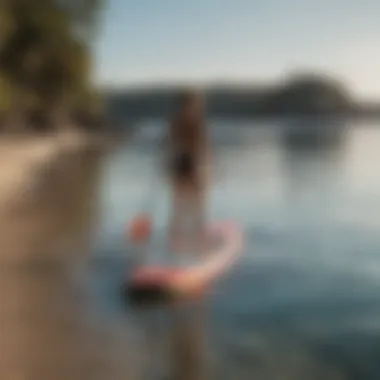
187, 129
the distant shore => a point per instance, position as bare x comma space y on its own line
300, 96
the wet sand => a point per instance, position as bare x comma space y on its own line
48, 209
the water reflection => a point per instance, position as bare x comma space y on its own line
316, 133
312, 166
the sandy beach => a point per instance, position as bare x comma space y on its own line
48, 208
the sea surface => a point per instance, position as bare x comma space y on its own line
303, 302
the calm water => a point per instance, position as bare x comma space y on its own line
304, 301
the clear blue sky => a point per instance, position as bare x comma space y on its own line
145, 41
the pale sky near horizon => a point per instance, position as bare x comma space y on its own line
150, 41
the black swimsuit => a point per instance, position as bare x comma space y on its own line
183, 165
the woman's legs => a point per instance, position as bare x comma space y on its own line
187, 227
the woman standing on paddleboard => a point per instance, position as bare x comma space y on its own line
188, 160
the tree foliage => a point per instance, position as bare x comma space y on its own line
45, 52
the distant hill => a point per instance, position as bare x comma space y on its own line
300, 95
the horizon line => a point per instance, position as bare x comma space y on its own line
149, 85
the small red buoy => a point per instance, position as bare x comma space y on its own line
140, 228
